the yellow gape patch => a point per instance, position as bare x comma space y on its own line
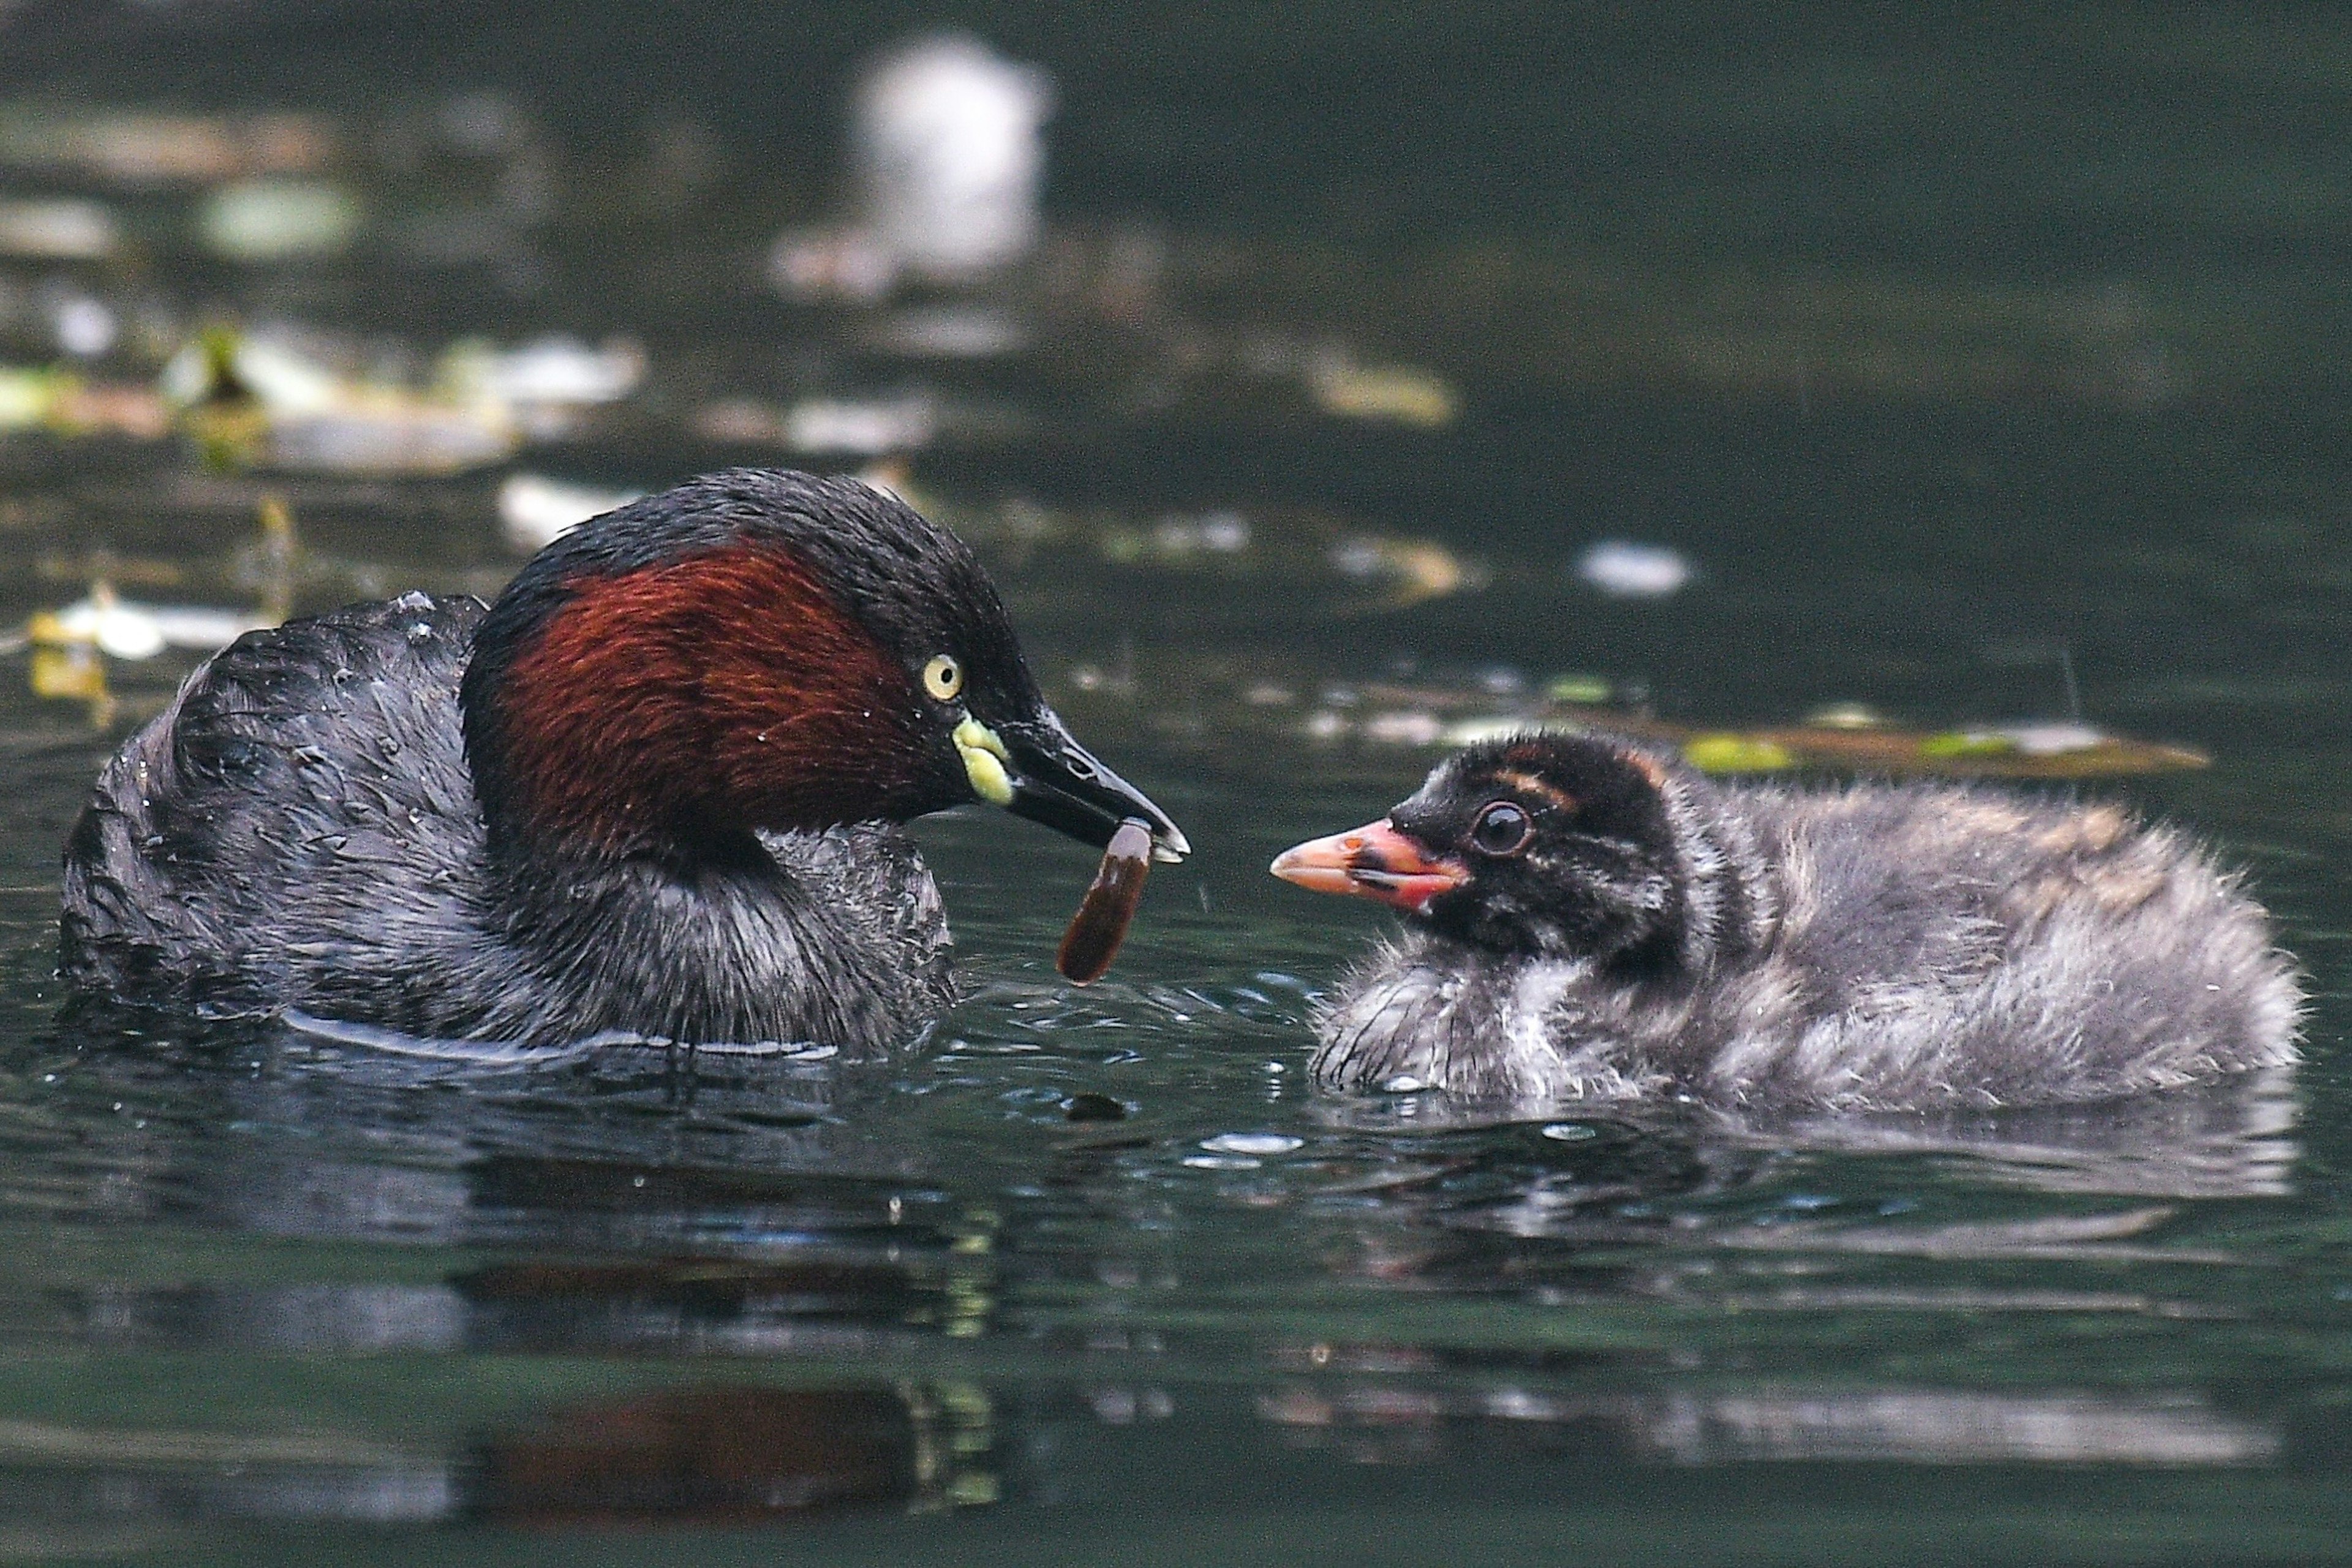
984, 762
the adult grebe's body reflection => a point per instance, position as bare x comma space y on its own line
658, 1207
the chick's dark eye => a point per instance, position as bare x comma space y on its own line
1501, 830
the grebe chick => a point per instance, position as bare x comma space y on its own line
1587, 918
654, 789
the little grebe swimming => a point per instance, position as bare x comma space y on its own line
654, 789
1589, 919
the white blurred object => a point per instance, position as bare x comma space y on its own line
827, 264
285, 379
953, 332
57, 229
549, 370
123, 628
383, 434
1398, 394
1406, 727
2044, 738
949, 158
866, 429
1213, 533
1489, 727
1624, 570
275, 220
535, 510
84, 328
316, 419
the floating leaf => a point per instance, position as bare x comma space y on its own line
1967, 744
1725, 753
1393, 393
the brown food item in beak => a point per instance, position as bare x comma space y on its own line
1103, 915
1374, 861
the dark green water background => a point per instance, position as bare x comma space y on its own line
269, 1298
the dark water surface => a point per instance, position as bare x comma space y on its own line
1093, 1276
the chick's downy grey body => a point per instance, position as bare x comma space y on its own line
1872, 946
299, 827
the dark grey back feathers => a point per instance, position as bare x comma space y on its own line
299, 828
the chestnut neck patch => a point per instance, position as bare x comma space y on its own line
673, 707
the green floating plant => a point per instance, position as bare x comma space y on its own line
1727, 753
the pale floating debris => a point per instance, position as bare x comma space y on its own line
954, 332
1488, 727
1847, 716
1093, 678
1418, 569
1410, 727
535, 510
1569, 1132
125, 629
1396, 393
1585, 690
57, 229
85, 327
1325, 725
858, 428
1222, 1162
1266, 1143
155, 149
866, 429
278, 220
555, 370
284, 380
199, 627
1626, 570
849, 264
949, 156
1211, 533
307, 417
392, 435
742, 419
2044, 738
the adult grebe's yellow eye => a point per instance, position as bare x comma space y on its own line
943, 678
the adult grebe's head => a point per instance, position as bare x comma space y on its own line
764, 650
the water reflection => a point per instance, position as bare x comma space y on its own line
655, 1288
1389, 1424
708, 1454
738, 1455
